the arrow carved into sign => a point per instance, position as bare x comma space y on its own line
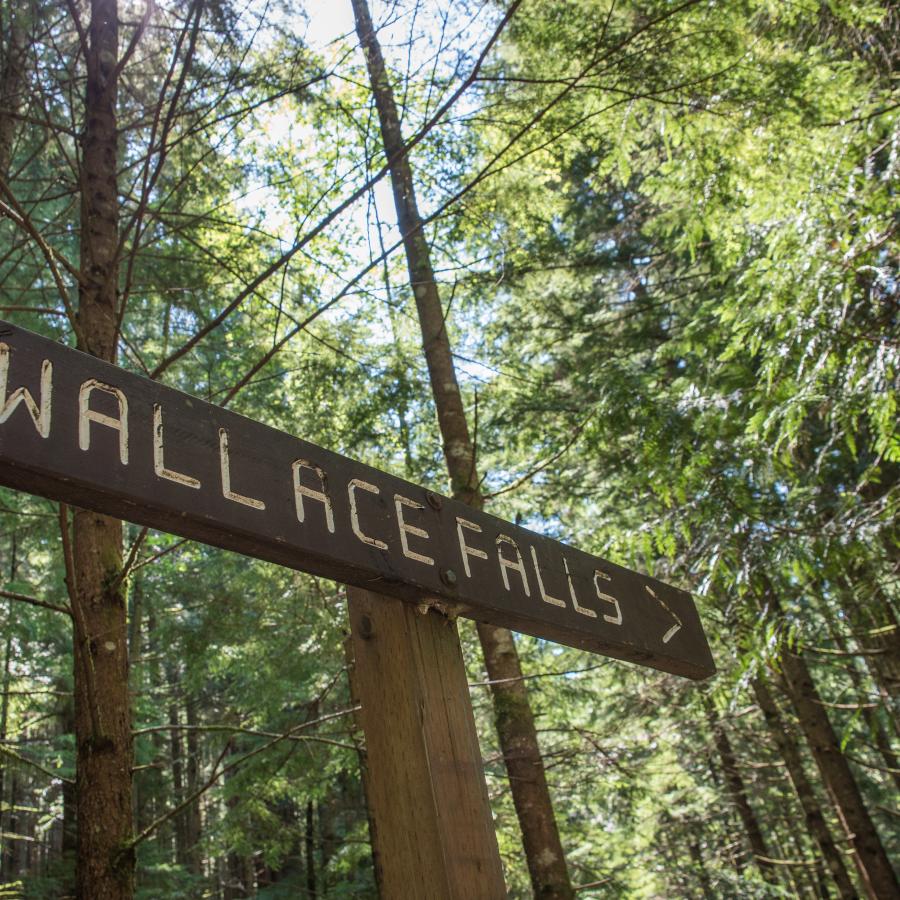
76, 429
677, 626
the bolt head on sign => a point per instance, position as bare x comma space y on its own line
76, 429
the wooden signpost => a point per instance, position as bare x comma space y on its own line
78, 430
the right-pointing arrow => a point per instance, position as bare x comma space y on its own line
677, 626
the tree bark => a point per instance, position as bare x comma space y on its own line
12, 86
104, 756
6, 827
812, 812
735, 784
871, 860
700, 869
870, 857
870, 716
10, 863
148, 782
4, 707
136, 677
193, 824
515, 723
240, 874
69, 841
176, 755
310, 847
875, 615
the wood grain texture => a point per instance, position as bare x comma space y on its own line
433, 829
373, 531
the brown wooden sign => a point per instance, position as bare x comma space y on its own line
76, 429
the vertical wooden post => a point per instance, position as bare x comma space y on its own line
433, 831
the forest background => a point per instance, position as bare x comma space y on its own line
665, 237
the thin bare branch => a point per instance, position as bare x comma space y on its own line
128, 566
34, 601
218, 772
6, 751
16, 214
151, 559
360, 192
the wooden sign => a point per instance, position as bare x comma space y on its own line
76, 429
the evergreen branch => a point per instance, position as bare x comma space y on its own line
253, 732
136, 36
867, 765
812, 863
148, 180
79, 26
152, 729
33, 601
217, 773
342, 207
38, 310
151, 559
30, 762
16, 214
128, 565
556, 674
524, 479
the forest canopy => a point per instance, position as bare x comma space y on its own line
625, 274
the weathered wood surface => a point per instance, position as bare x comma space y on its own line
433, 833
76, 429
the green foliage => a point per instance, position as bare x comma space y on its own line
667, 244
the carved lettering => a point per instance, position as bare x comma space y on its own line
86, 415
505, 564
225, 467
354, 515
547, 598
608, 598
159, 465
40, 415
301, 491
464, 548
405, 528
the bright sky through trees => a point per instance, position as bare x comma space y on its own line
666, 241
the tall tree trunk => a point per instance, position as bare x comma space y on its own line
4, 707
310, 846
241, 876
11, 864
154, 789
515, 723
4, 762
69, 848
176, 754
352, 685
869, 854
700, 869
815, 820
872, 863
12, 83
136, 676
874, 617
193, 826
104, 754
735, 784
870, 716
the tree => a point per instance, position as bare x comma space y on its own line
669, 280
515, 723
